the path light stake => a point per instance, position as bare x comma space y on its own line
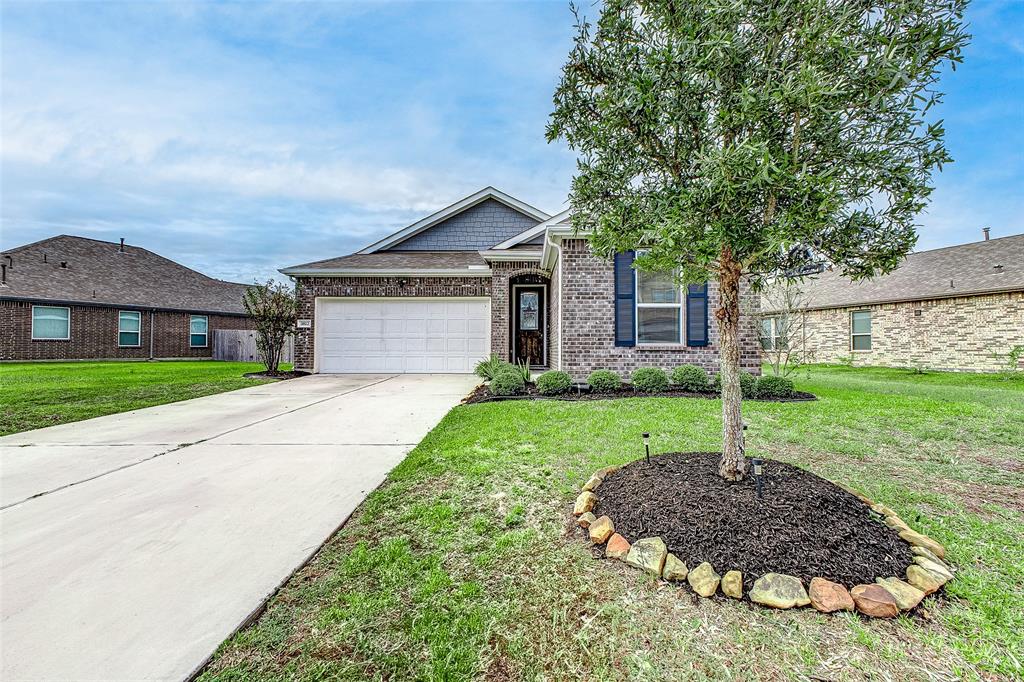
647, 445
757, 474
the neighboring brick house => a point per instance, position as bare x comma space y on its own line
491, 274
957, 308
73, 298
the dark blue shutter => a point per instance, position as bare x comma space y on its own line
625, 308
697, 315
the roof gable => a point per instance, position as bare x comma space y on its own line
475, 222
101, 273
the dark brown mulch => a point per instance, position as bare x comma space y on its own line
275, 375
481, 394
803, 525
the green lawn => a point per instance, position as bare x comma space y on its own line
37, 394
465, 563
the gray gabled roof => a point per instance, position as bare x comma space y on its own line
396, 263
964, 270
98, 272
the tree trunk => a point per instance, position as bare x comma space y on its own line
733, 465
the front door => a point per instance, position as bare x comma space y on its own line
528, 326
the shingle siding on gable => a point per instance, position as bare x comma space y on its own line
482, 226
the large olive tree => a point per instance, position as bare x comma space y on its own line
738, 139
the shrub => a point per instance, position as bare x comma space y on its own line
649, 380
491, 367
507, 382
691, 378
604, 381
748, 384
554, 382
774, 387
522, 369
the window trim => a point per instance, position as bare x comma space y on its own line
50, 338
680, 305
206, 333
868, 334
128, 331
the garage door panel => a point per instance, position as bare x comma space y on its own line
402, 335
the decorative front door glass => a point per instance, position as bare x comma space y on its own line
529, 311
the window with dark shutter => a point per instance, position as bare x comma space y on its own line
625, 288
697, 315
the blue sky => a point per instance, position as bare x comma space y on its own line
237, 139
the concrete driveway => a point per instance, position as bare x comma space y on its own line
131, 545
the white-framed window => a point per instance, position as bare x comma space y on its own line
659, 308
773, 333
51, 323
860, 330
129, 329
197, 330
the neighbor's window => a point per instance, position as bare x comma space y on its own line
773, 331
129, 328
860, 330
197, 327
51, 323
659, 308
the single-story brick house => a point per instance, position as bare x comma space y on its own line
957, 308
492, 274
73, 298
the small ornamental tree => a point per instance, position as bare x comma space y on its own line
273, 309
739, 139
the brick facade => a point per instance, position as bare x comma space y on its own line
94, 334
587, 319
970, 333
579, 309
308, 289
504, 274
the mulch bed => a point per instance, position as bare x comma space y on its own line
275, 375
481, 394
803, 525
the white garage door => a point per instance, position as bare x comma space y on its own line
402, 335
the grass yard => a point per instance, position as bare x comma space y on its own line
37, 394
465, 565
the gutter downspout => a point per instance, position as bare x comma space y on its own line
558, 264
150, 334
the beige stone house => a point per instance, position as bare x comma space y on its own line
956, 308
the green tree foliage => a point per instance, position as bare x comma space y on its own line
737, 140
273, 309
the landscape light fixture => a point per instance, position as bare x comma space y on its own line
757, 474
647, 445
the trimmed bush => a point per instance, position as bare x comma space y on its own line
491, 367
507, 382
554, 382
649, 380
691, 378
748, 384
604, 381
774, 387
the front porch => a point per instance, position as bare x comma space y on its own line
521, 313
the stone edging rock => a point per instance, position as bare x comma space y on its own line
884, 598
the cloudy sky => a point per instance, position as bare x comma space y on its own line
237, 139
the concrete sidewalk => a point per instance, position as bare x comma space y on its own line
133, 544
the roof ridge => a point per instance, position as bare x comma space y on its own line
974, 243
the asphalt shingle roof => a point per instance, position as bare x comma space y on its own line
398, 260
964, 270
97, 272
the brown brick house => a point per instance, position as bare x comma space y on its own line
491, 274
957, 308
73, 298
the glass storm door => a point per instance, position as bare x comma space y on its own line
528, 325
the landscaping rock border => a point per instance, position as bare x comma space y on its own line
885, 598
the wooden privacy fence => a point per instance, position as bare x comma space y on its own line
240, 345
